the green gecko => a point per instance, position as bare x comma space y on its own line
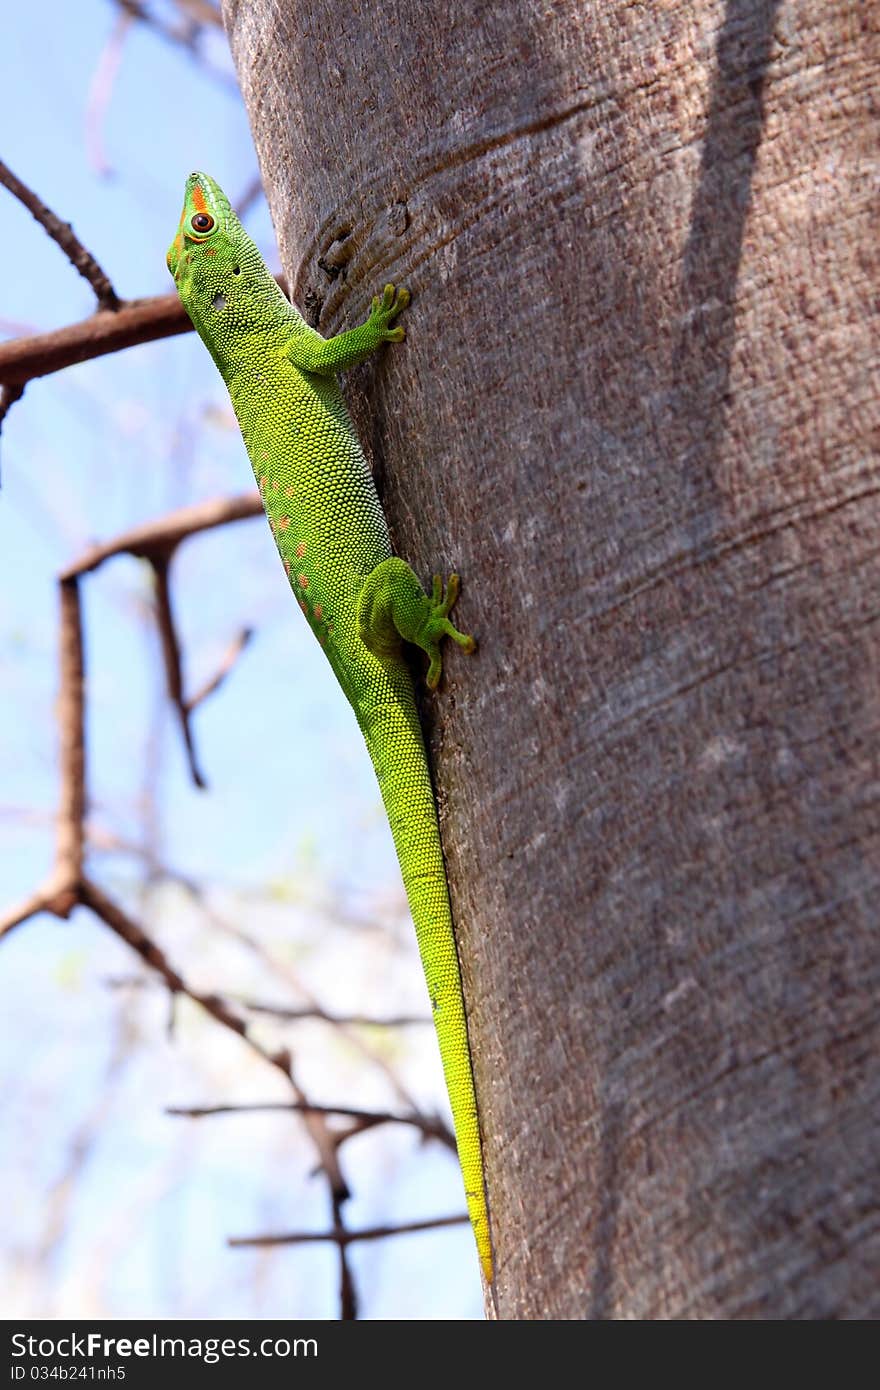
359, 599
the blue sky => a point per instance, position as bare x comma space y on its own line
119, 1209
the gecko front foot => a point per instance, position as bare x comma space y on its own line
384, 309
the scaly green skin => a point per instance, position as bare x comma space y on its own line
358, 598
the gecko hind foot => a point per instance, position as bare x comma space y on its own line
393, 606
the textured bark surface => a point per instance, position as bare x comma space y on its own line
637, 408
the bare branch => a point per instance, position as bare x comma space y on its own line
8, 396
163, 534
38, 901
135, 321
60, 893
366, 1119
345, 1237
155, 542
71, 722
63, 234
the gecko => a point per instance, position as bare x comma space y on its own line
361, 601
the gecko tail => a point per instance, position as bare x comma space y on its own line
394, 740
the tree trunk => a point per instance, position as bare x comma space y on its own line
635, 409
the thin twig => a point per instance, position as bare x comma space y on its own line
314, 1011
345, 1237
348, 1307
101, 90
63, 234
230, 656
431, 1128
134, 935
160, 561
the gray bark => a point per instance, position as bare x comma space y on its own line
637, 410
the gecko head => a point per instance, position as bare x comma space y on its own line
207, 253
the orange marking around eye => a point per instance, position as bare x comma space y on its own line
198, 198
301, 549
304, 580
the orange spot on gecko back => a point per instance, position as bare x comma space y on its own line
304, 580
288, 492
318, 612
283, 523
262, 482
301, 549
210, 251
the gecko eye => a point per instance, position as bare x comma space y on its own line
201, 222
